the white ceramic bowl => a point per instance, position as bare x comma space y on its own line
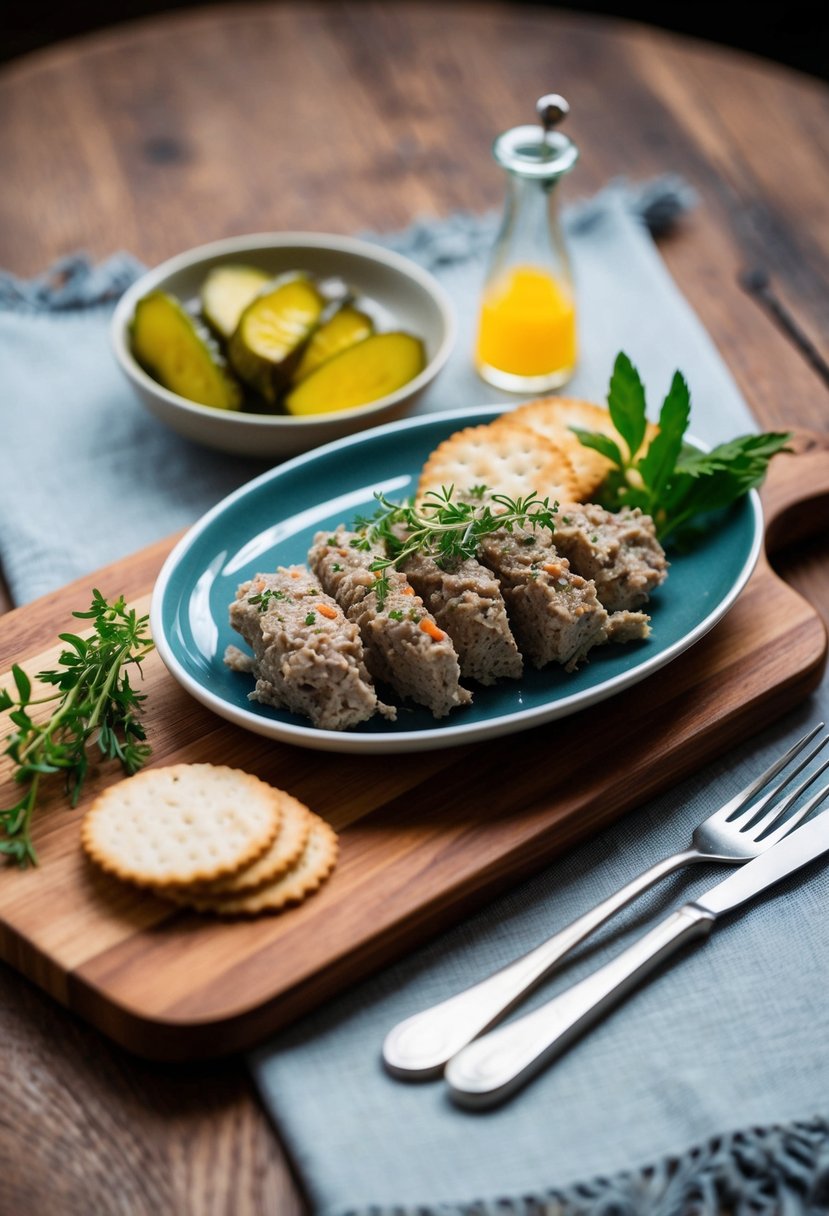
408, 294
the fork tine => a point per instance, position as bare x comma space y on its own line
750, 814
744, 796
797, 818
780, 809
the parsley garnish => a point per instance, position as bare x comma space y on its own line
94, 703
264, 598
670, 480
310, 618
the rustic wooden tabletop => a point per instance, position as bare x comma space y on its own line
344, 117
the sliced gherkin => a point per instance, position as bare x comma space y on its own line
268, 341
359, 375
180, 355
226, 293
346, 327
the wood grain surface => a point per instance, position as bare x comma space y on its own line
424, 838
348, 117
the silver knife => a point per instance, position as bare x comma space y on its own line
494, 1066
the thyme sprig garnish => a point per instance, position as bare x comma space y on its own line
445, 528
94, 706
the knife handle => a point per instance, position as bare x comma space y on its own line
420, 1046
493, 1067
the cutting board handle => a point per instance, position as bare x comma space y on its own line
796, 492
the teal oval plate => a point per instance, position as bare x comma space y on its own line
272, 520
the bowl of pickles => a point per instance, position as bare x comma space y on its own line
269, 345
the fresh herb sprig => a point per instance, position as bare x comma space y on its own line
93, 704
445, 528
670, 480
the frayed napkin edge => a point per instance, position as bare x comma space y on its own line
766, 1171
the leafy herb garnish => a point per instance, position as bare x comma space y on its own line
670, 480
94, 702
263, 599
445, 529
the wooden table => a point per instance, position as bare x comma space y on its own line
345, 117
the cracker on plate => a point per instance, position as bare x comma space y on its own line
551, 418
554, 418
512, 460
186, 823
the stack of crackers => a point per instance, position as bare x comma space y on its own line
211, 838
529, 448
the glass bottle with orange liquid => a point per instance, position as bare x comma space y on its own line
527, 325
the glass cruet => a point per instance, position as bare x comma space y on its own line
527, 322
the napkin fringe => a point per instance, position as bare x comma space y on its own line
75, 282
659, 203
768, 1171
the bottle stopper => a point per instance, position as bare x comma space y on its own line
551, 109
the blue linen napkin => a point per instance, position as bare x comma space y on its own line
89, 476
669, 1107
705, 1093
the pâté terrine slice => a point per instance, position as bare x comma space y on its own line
555, 614
307, 655
465, 599
619, 551
404, 645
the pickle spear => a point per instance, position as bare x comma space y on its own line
226, 293
180, 355
359, 375
347, 326
268, 341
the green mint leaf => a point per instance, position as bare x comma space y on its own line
600, 443
659, 461
77, 643
710, 481
746, 456
626, 402
23, 683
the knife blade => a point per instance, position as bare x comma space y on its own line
495, 1065
807, 843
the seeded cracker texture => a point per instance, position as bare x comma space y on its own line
281, 855
404, 646
182, 824
307, 657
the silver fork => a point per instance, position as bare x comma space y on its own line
740, 830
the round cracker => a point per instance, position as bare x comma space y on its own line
282, 853
552, 418
182, 824
512, 461
555, 418
308, 874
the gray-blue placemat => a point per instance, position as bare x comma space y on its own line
708, 1091
89, 476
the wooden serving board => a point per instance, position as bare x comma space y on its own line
425, 838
